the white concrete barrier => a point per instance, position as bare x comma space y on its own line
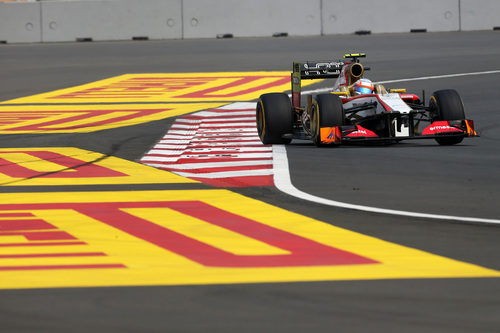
111, 20
345, 16
208, 18
65, 20
20, 22
480, 14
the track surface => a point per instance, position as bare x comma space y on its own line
421, 176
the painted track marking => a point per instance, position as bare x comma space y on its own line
47, 166
180, 237
283, 182
219, 147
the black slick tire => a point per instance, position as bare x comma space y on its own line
447, 105
274, 118
327, 111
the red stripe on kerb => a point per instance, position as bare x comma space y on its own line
39, 235
33, 224
53, 255
42, 244
51, 267
23, 214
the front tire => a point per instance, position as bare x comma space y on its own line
447, 105
327, 111
274, 118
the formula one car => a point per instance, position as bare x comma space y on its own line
345, 115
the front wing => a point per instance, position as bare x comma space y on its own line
437, 129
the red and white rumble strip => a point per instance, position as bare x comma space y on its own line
219, 147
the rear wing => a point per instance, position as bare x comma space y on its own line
310, 71
318, 70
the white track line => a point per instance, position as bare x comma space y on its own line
440, 76
283, 182
322, 90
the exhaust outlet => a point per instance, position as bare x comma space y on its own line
356, 71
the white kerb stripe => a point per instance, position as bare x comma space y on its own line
215, 119
239, 105
228, 136
283, 182
208, 165
228, 124
228, 130
224, 114
177, 125
174, 141
176, 147
189, 121
227, 174
229, 155
222, 150
177, 137
166, 152
226, 143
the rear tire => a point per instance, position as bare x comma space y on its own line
327, 111
447, 105
274, 118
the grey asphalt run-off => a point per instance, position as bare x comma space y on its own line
416, 176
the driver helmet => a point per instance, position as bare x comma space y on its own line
363, 86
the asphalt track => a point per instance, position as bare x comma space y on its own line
417, 176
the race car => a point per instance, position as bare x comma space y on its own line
348, 114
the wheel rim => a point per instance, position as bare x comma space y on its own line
314, 122
260, 120
433, 106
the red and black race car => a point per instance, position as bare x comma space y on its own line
345, 115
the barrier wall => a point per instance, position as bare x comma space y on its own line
208, 18
20, 22
111, 20
63, 20
344, 16
480, 14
